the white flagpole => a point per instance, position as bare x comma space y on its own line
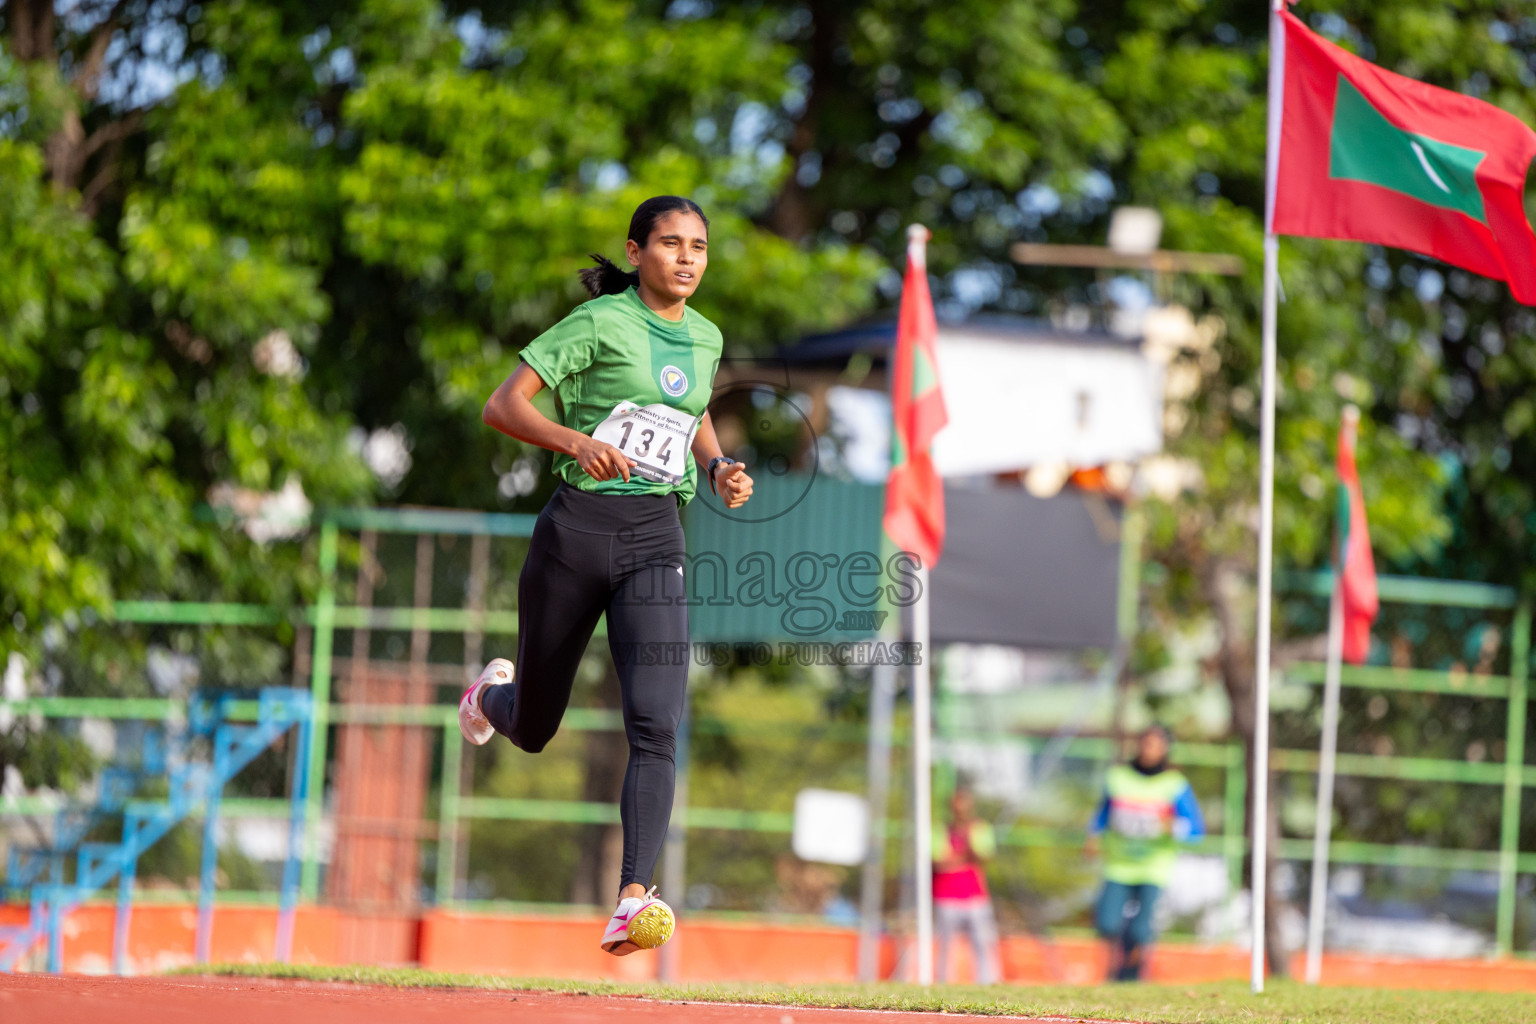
1317, 906
1260, 779
882, 701
922, 748
922, 782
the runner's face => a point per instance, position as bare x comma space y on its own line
1154, 747
672, 262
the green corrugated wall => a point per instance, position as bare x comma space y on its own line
819, 540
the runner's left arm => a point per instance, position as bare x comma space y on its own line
731, 481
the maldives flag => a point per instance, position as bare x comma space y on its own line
914, 494
1372, 156
1357, 567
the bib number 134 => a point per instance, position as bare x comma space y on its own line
657, 437
643, 444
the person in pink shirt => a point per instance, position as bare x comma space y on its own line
960, 898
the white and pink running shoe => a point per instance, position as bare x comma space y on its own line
476, 728
639, 922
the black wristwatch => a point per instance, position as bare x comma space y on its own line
717, 460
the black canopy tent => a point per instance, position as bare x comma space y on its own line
1027, 572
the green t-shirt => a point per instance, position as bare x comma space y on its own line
614, 350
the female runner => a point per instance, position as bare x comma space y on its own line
632, 372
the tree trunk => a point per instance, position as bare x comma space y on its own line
1274, 945
793, 214
33, 29
1223, 585
600, 851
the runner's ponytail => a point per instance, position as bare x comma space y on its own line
606, 278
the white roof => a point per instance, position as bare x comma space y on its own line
1014, 405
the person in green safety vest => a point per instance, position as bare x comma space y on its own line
1147, 812
961, 902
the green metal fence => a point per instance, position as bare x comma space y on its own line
1513, 776
327, 616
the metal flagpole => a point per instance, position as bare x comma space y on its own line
882, 699
1260, 775
1317, 905
922, 780
1322, 832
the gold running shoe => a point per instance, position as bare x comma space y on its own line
639, 922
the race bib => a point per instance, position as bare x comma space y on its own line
657, 437
1138, 821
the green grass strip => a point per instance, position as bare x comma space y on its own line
1227, 1002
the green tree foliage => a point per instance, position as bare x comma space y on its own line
482, 171
236, 232
132, 329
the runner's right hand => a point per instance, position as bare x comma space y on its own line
601, 461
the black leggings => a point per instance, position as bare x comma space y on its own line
621, 554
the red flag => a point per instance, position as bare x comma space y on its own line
914, 494
1357, 567
1369, 155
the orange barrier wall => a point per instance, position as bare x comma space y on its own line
760, 951
162, 937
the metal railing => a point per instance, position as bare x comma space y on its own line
326, 616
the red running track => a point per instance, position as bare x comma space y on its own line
82, 999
